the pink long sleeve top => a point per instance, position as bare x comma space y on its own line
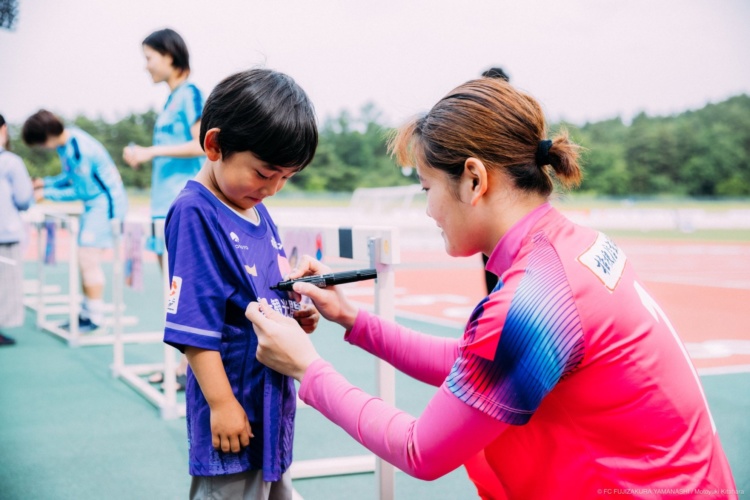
569, 379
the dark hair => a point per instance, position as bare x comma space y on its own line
41, 126
7, 141
496, 72
490, 120
264, 112
168, 41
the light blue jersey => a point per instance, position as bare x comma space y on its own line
183, 108
89, 174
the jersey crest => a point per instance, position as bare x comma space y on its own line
605, 260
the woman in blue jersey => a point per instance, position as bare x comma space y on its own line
88, 174
176, 153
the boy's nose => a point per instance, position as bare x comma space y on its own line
273, 187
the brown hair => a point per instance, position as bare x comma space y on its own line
490, 120
41, 126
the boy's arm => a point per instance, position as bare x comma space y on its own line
230, 428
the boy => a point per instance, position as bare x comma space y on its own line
90, 175
258, 129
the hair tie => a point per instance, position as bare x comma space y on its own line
542, 153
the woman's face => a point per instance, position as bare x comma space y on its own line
158, 65
449, 212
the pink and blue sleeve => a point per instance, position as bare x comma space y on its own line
445, 436
424, 357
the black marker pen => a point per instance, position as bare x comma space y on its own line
325, 280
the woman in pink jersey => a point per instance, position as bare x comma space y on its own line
569, 381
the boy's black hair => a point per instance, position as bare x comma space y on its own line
168, 41
264, 112
40, 126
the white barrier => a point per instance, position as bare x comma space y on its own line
377, 248
50, 304
132, 374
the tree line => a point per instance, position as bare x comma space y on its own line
701, 153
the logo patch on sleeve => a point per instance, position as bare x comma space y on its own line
174, 295
605, 260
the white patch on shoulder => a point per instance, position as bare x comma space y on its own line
174, 295
605, 260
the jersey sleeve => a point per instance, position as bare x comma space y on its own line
197, 296
192, 105
23, 191
445, 436
426, 358
59, 188
520, 341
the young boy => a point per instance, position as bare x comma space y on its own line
90, 175
258, 129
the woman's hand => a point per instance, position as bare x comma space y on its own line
330, 301
307, 317
282, 344
134, 155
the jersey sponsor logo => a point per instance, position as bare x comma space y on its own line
233, 236
174, 295
275, 244
251, 270
605, 260
287, 307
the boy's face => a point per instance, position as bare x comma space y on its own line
246, 180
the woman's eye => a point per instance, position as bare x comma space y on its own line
261, 175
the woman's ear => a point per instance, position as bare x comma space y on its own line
211, 144
474, 180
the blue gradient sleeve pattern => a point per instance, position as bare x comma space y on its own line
541, 340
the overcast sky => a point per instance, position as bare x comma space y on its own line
584, 60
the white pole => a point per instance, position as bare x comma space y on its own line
169, 410
73, 280
386, 374
118, 351
40, 312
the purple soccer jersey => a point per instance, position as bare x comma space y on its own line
218, 263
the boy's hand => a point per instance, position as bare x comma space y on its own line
230, 429
307, 317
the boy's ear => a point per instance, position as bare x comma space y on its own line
211, 144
